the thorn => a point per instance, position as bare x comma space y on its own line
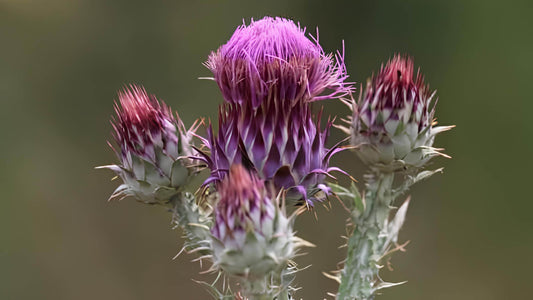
398, 247
389, 265
179, 253
332, 277
342, 203
198, 225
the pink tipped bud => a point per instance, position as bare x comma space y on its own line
393, 121
154, 147
251, 235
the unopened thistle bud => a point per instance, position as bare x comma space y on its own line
273, 59
251, 234
392, 125
154, 148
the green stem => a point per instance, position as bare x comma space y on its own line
256, 289
194, 221
270, 287
368, 242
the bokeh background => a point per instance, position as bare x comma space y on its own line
62, 61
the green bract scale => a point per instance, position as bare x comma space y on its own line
393, 126
153, 148
252, 237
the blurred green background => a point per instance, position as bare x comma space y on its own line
62, 61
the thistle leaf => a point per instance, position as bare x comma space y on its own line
350, 196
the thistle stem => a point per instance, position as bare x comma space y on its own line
270, 287
256, 289
193, 220
369, 241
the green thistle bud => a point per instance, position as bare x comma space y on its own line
252, 237
393, 126
154, 148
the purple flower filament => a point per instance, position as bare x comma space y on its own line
272, 58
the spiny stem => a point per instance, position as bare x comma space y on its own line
273, 286
193, 220
366, 246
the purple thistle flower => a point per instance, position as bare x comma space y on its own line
251, 236
280, 142
272, 58
154, 147
393, 122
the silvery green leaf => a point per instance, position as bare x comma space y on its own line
339, 190
425, 174
410, 180
350, 196
397, 222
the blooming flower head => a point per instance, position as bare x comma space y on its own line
393, 121
280, 142
154, 147
251, 235
272, 58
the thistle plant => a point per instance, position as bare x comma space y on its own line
392, 130
270, 152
